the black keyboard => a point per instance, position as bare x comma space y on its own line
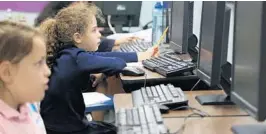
168, 65
145, 119
167, 95
135, 46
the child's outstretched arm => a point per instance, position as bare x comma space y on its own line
93, 63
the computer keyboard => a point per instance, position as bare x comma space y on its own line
135, 46
168, 65
145, 119
167, 95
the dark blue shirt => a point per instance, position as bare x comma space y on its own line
63, 107
106, 45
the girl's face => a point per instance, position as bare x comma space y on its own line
28, 79
91, 40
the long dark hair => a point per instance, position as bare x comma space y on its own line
50, 10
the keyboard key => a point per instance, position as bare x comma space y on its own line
154, 91
159, 90
166, 92
153, 128
142, 115
122, 117
137, 129
149, 114
158, 100
148, 90
144, 94
137, 98
129, 117
144, 129
135, 116
157, 114
180, 92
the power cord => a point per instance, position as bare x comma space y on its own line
146, 26
145, 81
182, 128
110, 25
193, 110
195, 85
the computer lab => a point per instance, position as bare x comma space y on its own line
132, 67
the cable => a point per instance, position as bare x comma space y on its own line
220, 86
182, 128
145, 81
130, 24
195, 85
110, 25
202, 113
146, 26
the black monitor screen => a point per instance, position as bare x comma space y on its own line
205, 64
207, 37
211, 41
127, 12
181, 25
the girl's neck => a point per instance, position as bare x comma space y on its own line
7, 97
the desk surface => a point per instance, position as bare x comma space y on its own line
125, 101
207, 125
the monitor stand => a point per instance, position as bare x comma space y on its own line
249, 129
118, 28
217, 99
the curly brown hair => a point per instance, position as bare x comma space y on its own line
68, 21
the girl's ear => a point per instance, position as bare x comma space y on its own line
6, 71
77, 37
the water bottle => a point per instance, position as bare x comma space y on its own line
157, 25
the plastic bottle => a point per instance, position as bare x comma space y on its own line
157, 24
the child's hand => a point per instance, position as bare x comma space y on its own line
154, 50
126, 40
96, 79
151, 52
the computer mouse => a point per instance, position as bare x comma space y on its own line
132, 71
163, 109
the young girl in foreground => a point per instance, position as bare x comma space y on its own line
73, 38
23, 78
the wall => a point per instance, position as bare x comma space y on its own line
28, 9
31, 13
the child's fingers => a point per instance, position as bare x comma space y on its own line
155, 52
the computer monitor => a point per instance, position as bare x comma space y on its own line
213, 47
123, 13
226, 68
181, 25
211, 40
249, 77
